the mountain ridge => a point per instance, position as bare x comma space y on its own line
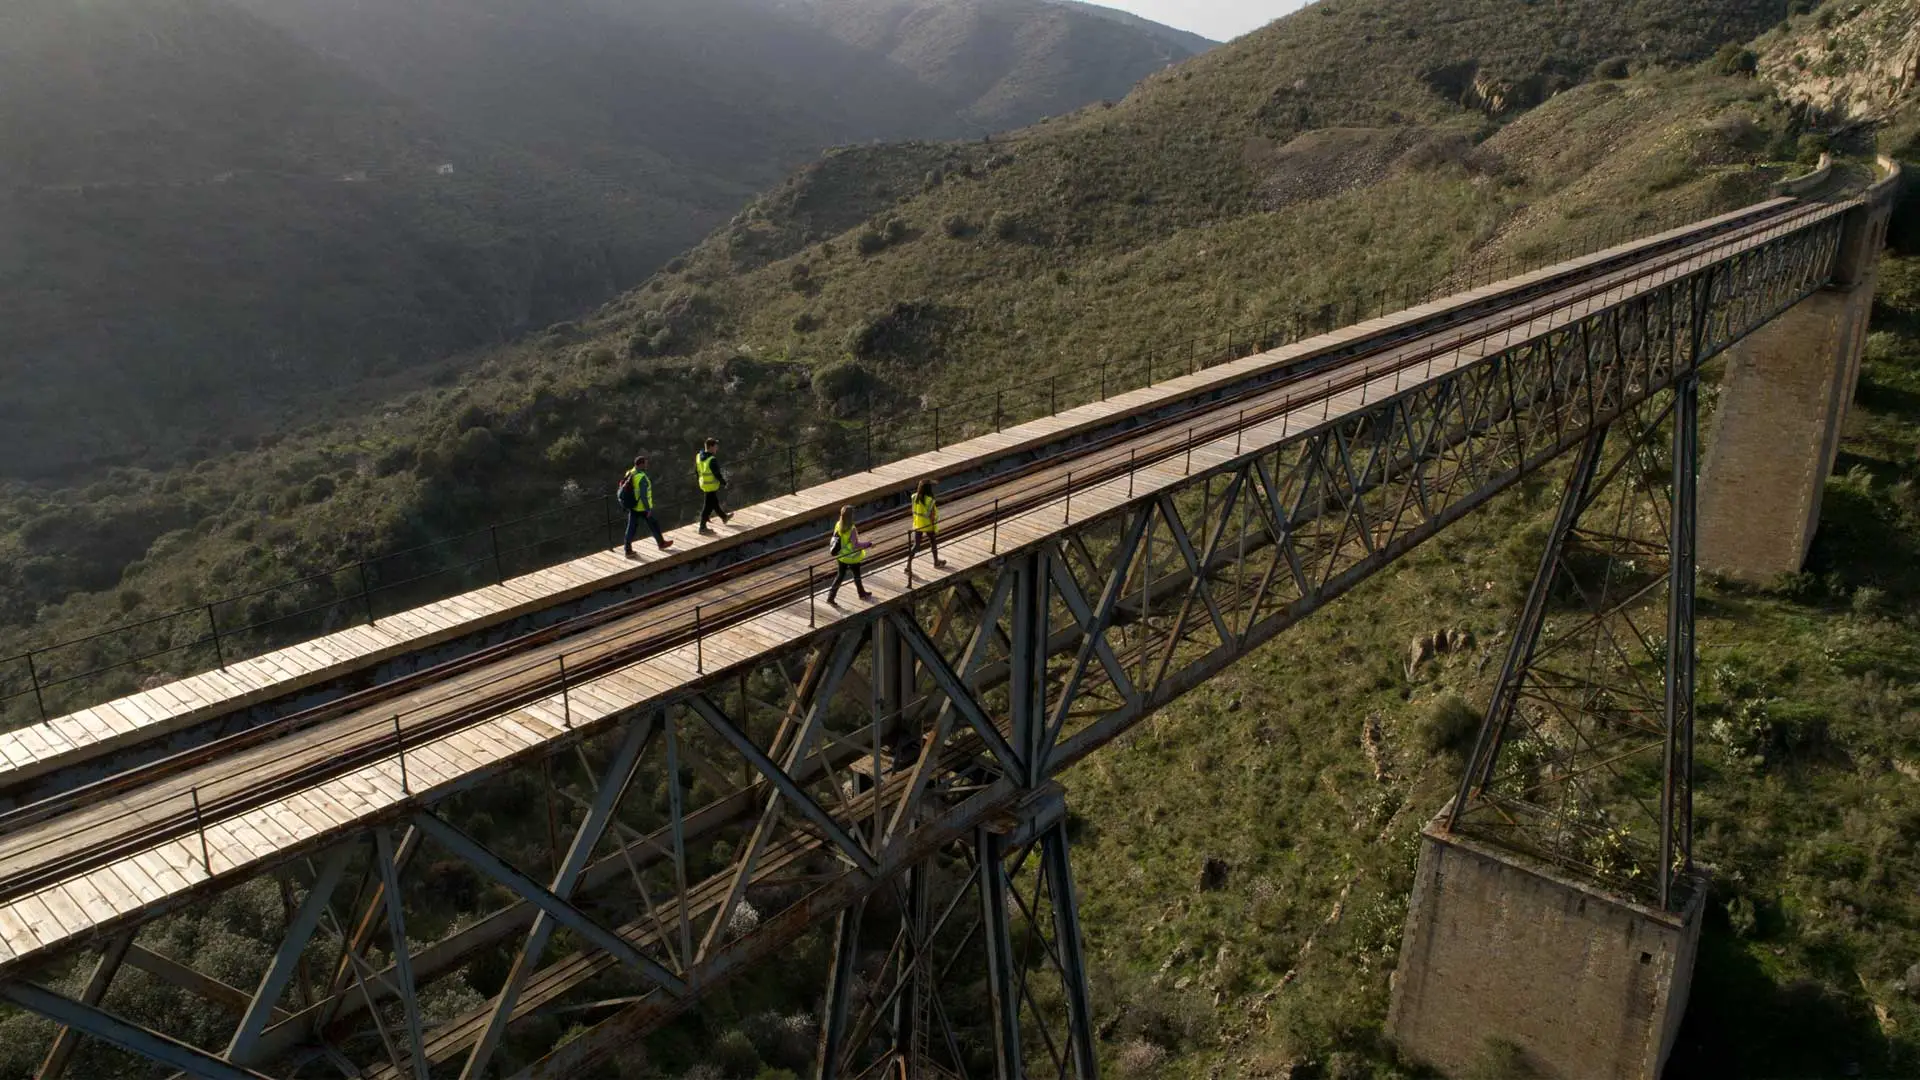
232, 218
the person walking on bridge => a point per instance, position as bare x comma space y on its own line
706, 464
926, 523
636, 497
849, 551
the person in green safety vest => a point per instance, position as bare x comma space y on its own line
926, 523
706, 464
849, 551
635, 494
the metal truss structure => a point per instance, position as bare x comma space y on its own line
880, 795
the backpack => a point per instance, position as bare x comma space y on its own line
629, 499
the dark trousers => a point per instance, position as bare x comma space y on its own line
846, 570
711, 508
634, 518
933, 544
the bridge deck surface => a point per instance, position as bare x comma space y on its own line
38, 748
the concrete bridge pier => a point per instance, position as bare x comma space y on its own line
1783, 405
1580, 982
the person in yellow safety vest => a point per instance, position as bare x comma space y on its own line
706, 464
849, 551
635, 494
926, 522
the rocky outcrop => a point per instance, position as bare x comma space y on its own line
1849, 62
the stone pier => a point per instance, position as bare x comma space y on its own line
1584, 984
1781, 410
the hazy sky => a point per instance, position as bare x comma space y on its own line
1220, 20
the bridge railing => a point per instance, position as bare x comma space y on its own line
65, 676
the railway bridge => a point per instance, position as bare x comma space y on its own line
513, 832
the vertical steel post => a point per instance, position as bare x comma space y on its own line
910, 1006
566, 696
213, 628
400, 744
1027, 664
699, 644
1002, 979
833, 1024
1676, 809
499, 571
402, 952
200, 825
1070, 947
366, 593
33, 676
793, 469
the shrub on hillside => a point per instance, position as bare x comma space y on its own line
1449, 725
1733, 59
843, 386
569, 451
870, 241
957, 227
736, 1056
1614, 67
1005, 225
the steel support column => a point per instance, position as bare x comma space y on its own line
1069, 945
997, 938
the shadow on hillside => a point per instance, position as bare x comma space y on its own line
1878, 397
1741, 1022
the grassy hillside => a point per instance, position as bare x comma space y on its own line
1006, 62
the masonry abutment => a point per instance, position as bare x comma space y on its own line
1583, 984
1782, 407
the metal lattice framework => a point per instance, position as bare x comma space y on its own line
885, 784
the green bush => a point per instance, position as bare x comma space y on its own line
569, 451
1449, 725
733, 1052
870, 242
318, 489
843, 385
1005, 225
1733, 59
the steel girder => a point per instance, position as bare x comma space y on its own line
804, 790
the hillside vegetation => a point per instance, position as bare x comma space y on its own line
1368, 149
228, 218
